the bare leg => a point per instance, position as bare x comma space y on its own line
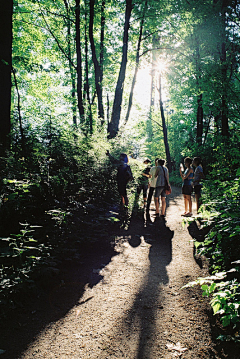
189, 204
189, 200
163, 199
185, 203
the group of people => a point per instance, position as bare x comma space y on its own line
154, 181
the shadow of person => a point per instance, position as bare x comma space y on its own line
149, 301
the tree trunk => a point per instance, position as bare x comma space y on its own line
224, 110
79, 62
86, 87
70, 62
152, 90
20, 117
97, 68
199, 100
199, 120
6, 10
116, 111
102, 40
223, 60
169, 163
137, 64
108, 109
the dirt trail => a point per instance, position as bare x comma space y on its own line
137, 309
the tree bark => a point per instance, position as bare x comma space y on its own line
223, 61
20, 117
116, 111
200, 97
199, 120
79, 63
164, 127
137, 63
70, 62
97, 68
155, 41
102, 40
86, 86
224, 110
6, 10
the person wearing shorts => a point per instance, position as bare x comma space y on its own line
160, 187
187, 178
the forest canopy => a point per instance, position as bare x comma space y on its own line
82, 63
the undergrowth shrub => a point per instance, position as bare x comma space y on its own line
220, 213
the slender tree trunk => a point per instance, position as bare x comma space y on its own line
102, 40
116, 111
137, 63
155, 42
87, 87
223, 60
165, 137
79, 62
19, 116
207, 129
70, 62
152, 89
6, 10
199, 120
108, 109
97, 68
200, 97
224, 111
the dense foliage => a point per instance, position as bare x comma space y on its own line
220, 219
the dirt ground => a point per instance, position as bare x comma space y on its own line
122, 300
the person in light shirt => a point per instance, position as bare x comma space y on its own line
152, 184
162, 177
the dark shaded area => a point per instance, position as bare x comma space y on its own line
86, 248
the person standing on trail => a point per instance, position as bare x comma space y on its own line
124, 175
152, 183
198, 176
143, 181
187, 188
162, 177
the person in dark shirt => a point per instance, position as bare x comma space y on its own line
124, 175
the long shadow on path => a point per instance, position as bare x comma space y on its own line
141, 320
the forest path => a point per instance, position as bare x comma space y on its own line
138, 309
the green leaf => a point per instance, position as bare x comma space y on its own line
225, 321
216, 307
